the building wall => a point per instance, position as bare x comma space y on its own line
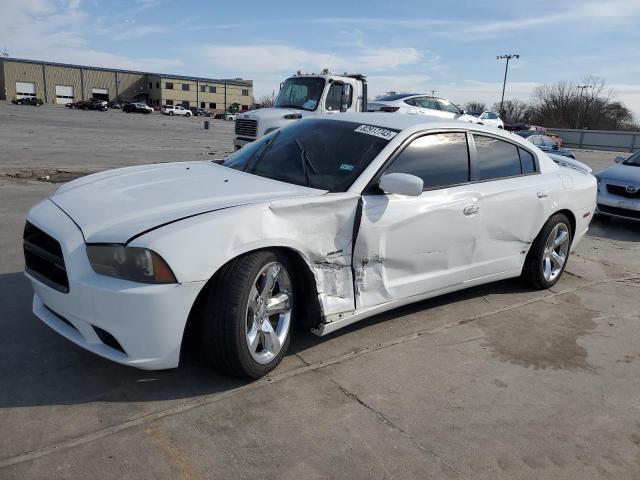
56, 75
22, 72
120, 85
3, 93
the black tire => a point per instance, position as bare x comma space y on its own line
532, 272
171, 114
224, 321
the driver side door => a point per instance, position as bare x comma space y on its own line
411, 245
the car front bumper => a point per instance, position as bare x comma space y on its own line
616, 205
144, 323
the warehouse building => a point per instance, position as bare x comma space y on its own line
60, 83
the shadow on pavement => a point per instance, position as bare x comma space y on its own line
42, 368
610, 228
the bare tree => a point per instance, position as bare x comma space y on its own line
265, 101
514, 111
475, 106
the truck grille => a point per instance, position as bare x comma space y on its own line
43, 258
622, 191
246, 127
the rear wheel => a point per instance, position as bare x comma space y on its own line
548, 255
248, 314
171, 114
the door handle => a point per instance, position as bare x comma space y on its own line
470, 209
543, 194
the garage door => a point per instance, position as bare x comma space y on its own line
64, 94
25, 89
100, 93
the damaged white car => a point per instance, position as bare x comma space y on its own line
322, 223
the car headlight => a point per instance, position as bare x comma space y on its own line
129, 263
598, 181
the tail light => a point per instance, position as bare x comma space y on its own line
389, 109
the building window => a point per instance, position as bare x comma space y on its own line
245, 93
212, 105
185, 103
212, 89
168, 86
185, 87
203, 88
202, 105
168, 102
157, 84
150, 85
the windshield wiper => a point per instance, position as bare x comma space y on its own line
306, 164
252, 162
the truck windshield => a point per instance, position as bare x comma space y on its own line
325, 154
300, 92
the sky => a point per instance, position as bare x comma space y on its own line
405, 46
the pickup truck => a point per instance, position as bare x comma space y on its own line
175, 110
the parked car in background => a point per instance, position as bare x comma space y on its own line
547, 144
229, 116
619, 188
118, 259
555, 138
175, 110
492, 119
76, 104
137, 108
36, 102
95, 104
198, 111
417, 104
114, 104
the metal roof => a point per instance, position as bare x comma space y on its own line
230, 81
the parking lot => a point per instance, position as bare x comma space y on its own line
497, 381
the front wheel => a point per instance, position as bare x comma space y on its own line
248, 314
549, 253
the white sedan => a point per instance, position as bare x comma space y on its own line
492, 119
322, 223
419, 104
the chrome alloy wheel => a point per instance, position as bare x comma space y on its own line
269, 312
555, 253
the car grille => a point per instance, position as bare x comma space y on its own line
246, 128
623, 212
622, 191
43, 258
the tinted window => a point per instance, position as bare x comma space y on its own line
496, 158
440, 160
448, 106
427, 102
334, 96
527, 162
325, 154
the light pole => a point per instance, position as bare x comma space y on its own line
582, 89
504, 82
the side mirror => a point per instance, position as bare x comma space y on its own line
619, 159
402, 184
463, 111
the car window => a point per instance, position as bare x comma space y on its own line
321, 153
440, 160
496, 158
536, 140
428, 102
484, 115
334, 96
527, 162
448, 106
547, 142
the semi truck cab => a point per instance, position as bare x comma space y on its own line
303, 95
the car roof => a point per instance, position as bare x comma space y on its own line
416, 123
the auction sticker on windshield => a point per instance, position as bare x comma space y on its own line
376, 131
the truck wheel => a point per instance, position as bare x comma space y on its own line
248, 313
549, 253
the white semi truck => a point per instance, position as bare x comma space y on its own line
302, 95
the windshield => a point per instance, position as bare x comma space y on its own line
325, 154
300, 92
633, 160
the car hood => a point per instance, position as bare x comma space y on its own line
116, 205
621, 173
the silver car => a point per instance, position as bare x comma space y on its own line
619, 188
